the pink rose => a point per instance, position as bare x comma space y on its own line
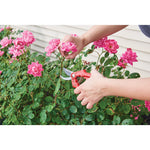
68, 46
53, 45
8, 27
1, 53
147, 105
15, 52
35, 69
0, 72
136, 118
128, 57
131, 115
28, 38
5, 42
111, 46
100, 43
19, 43
2, 29
122, 63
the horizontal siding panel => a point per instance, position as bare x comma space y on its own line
133, 35
135, 45
65, 29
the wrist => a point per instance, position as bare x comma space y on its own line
104, 86
84, 40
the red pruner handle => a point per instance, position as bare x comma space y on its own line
81, 73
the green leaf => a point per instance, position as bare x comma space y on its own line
103, 104
108, 61
17, 96
109, 111
31, 116
27, 121
43, 116
134, 75
107, 71
89, 117
47, 59
67, 95
137, 102
40, 58
102, 60
64, 112
100, 116
116, 120
93, 109
127, 122
49, 99
127, 73
113, 106
50, 107
126, 108
41, 94
35, 105
57, 87
106, 54
33, 55
73, 109
106, 122
93, 47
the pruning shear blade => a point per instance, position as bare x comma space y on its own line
65, 78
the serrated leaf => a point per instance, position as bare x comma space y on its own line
134, 75
109, 111
100, 116
50, 107
126, 108
102, 60
127, 73
31, 116
93, 47
108, 61
116, 120
103, 104
35, 105
73, 109
89, 117
127, 122
43, 116
107, 71
106, 54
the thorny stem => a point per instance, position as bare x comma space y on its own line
99, 55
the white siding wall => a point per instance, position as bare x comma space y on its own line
130, 37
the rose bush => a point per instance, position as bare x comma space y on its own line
32, 92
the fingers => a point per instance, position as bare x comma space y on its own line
84, 102
89, 105
77, 90
80, 97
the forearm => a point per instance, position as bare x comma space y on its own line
99, 31
132, 88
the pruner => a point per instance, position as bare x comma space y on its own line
74, 75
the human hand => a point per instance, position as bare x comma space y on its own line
92, 90
79, 45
